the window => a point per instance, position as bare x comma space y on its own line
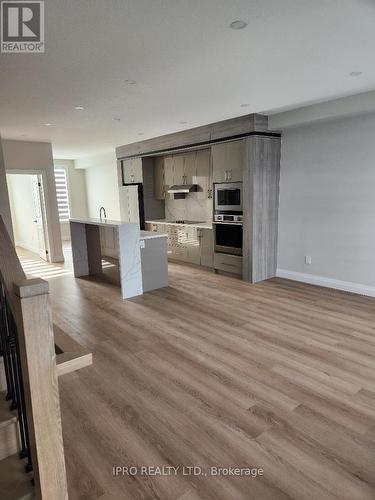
62, 194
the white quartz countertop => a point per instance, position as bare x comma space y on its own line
148, 235
144, 235
203, 225
99, 222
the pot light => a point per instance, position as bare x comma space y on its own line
130, 82
117, 119
47, 124
79, 108
244, 105
140, 133
238, 25
183, 123
355, 73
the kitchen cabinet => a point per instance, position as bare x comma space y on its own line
204, 174
227, 161
132, 170
187, 243
129, 205
168, 172
190, 168
206, 244
159, 182
228, 263
192, 245
178, 169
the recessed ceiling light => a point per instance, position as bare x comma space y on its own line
140, 133
79, 108
117, 119
47, 124
244, 105
355, 73
183, 122
130, 82
238, 25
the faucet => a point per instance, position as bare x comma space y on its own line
100, 213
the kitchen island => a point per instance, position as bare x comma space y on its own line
142, 255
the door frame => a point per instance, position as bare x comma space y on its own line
42, 177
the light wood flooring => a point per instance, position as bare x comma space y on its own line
215, 372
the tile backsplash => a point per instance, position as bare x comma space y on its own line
192, 207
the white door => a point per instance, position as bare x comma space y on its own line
39, 219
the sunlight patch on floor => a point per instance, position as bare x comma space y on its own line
40, 269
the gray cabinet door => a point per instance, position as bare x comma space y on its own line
219, 165
192, 245
129, 207
206, 247
203, 177
227, 161
235, 159
168, 172
178, 169
159, 182
133, 170
190, 168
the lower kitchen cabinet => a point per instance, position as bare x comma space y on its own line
187, 243
229, 263
206, 239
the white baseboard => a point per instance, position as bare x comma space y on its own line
26, 246
346, 286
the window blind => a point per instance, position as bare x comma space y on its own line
62, 194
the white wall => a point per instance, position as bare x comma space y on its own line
37, 157
4, 198
327, 202
101, 184
77, 193
23, 211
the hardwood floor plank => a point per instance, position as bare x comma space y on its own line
212, 371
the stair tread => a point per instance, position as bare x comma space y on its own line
15, 483
7, 417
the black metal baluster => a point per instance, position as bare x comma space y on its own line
12, 362
5, 347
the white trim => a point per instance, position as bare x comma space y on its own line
347, 286
26, 246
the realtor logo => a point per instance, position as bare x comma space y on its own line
22, 27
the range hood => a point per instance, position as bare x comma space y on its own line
179, 191
182, 189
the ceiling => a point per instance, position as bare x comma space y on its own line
189, 65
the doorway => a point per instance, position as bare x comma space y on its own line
27, 205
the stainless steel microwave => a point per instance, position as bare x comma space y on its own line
228, 197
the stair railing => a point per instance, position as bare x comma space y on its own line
27, 343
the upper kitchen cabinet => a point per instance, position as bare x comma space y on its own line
227, 161
178, 169
132, 171
168, 172
159, 181
190, 168
204, 175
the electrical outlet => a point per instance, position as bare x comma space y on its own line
142, 243
308, 260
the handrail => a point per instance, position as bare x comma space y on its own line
30, 306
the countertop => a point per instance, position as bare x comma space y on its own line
148, 235
144, 235
99, 222
203, 225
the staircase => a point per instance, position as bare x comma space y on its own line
15, 482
